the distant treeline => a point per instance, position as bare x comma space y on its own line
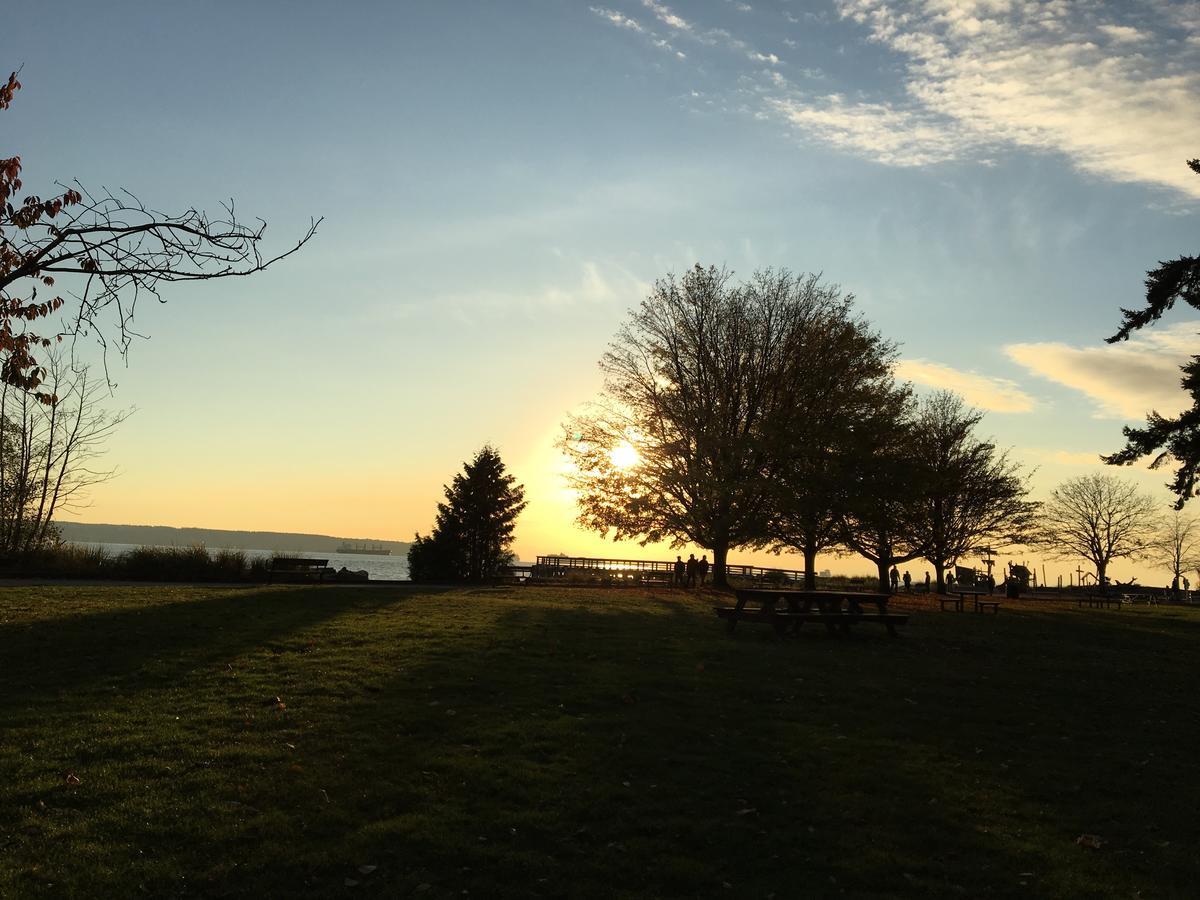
165, 536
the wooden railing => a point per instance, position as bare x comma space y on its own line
634, 569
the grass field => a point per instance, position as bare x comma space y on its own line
292, 742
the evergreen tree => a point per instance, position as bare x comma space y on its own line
471, 536
1167, 440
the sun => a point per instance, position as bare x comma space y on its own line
624, 455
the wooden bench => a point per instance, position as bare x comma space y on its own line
799, 609
299, 567
980, 604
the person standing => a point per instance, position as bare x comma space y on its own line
678, 571
691, 570
927, 581
907, 582
895, 579
702, 568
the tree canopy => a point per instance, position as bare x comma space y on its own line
1098, 518
474, 526
115, 248
968, 494
701, 405
1165, 438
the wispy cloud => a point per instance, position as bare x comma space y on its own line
595, 283
620, 20
1123, 381
982, 391
663, 13
1114, 88
1121, 100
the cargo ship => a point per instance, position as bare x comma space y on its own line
363, 548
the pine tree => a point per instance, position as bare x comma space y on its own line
471, 536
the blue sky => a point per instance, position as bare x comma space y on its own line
501, 182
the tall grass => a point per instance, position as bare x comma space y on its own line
192, 563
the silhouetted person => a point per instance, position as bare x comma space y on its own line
895, 579
991, 583
907, 582
691, 570
679, 571
949, 581
702, 569
1175, 588
927, 582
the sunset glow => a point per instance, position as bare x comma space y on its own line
624, 456
478, 281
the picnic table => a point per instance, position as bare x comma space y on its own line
959, 599
298, 567
837, 610
1099, 600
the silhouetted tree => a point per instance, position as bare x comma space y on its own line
471, 536
118, 248
48, 452
968, 494
1099, 518
699, 382
1176, 439
879, 472
1177, 544
842, 379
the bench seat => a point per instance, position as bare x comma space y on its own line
298, 567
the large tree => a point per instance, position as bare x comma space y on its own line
1098, 518
474, 527
1164, 438
879, 472
699, 383
842, 372
968, 494
116, 249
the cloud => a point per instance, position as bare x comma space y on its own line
1123, 33
620, 20
982, 391
897, 137
1121, 101
1115, 88
668, 18
596, 284
1124, 381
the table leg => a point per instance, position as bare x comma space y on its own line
737, 612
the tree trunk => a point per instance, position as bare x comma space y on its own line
1101, 569
810, 566
720, 555
885, 583
940, 570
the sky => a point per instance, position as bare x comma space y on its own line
501, 183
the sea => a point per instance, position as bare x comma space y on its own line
378, 568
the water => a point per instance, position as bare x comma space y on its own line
378, 568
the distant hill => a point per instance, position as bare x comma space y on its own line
165, 536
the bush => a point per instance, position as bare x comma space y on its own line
193, 563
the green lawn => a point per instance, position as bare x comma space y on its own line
291, 742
